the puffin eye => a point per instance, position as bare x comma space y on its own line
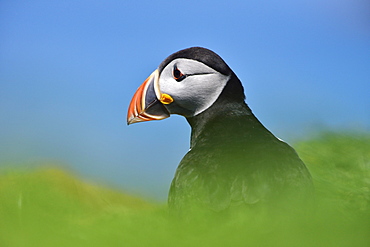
177, 74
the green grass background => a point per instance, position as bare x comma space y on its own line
51, 207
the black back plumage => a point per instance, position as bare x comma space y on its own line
234, 161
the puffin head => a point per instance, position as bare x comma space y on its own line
187, 83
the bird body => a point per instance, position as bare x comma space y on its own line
233, 161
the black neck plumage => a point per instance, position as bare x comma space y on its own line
227, 120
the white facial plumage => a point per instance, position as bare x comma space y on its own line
197, 91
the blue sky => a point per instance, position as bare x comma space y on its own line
68, 70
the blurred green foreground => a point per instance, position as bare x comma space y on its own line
50, 207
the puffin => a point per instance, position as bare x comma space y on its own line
233, 160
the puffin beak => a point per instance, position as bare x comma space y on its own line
145, 105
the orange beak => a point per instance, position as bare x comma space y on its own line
145, 105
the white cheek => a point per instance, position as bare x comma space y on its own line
208, 91
195, 93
